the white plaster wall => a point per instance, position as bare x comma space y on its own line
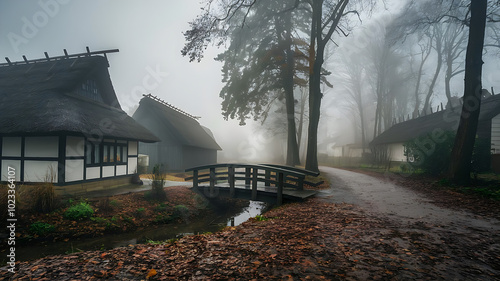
121, 170
74, 170
16, 164
132, 148
108, 171
132, 165
11, 146
93, 173
397, 152
495, 135
37, 171
75, 146
41, 147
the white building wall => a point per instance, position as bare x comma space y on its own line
74, 170
132, 165
39, 171
396, 152
121, 170
16, 164
93, 173
41, 147
495, 135
108, 171
132, 148
11, 146
75, 146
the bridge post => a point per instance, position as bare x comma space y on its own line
254, 183
231, 181
212, 182
300, 183
268, 177
279, 194
247, 177
195, 179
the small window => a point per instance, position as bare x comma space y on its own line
105, 153
111, 153
93, 155
125, 155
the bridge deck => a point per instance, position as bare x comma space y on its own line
264, 193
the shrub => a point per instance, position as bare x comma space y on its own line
79, 211
105, 205
180, 211
41, 228
430, 152
158, 177
43, 197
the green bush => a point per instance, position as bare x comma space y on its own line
430, 152
41, 228
180, 211
79, 211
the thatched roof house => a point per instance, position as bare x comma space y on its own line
184, 142
61, 116
444, 120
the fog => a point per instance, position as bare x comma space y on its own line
149, 37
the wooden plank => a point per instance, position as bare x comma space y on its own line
254, 183
279, 194
248, 171
212, 182
231, 182
195, 179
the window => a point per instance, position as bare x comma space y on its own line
93, 154
105, 153
111, 153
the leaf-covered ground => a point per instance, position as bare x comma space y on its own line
311, 240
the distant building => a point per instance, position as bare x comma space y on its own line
184, 142
444, 120
60, 119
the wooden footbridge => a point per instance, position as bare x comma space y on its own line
260, 182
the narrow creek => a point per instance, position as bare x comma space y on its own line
140, 236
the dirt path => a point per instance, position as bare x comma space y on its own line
471, 241
398, 203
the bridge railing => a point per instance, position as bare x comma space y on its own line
277, 175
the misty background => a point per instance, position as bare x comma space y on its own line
149, 37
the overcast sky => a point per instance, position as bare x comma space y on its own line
149, 37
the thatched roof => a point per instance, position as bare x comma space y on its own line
446, 120
168, 122
39, 98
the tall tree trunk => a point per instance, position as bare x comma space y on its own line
287, 72
461, 155
316, 61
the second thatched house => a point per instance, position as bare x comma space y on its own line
436, 124
184, 142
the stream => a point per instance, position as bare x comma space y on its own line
140, 236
